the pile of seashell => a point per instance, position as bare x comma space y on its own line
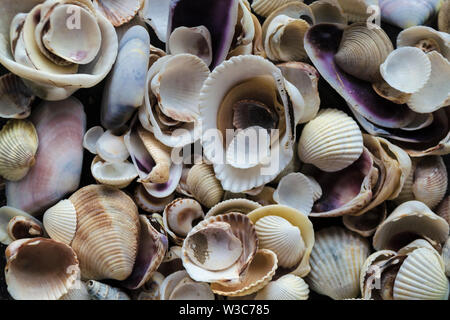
218, 161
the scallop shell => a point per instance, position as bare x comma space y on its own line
331, 142
149, 203
28, 257
18, 146
328, 11
15, 97
358, 10
118, 174
102, 291
204, 186
443, 18
406, 69
266, 7
363, 48
408, 13
196, 41
292, 218
288, 287
239, 205
7, 217
118, 12
296, 191
178, 286
409, 221
336, 261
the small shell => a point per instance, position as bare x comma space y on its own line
101, 291
296, 191
77, 292
328, 11
178, 286
149, 203
91, 138
383, 89
331, 142
15, 97
336, 261
18, 146
28, 258
10, 216
196, 41
408, 13
444, 17
60, 221
265, 197
21, 227
288, 287
204, 186
406, 69
112, 148
266, 7
239, 205
117, 174
151, 289
156, 14
425, 38
357, 10
118, 12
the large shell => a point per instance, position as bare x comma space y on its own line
288, 287
18, 146
409, 221
204, 186
118, 12
40, 269
60, 127
336, 261
408, 13
15, 97
293, 221
363, 48
331, 142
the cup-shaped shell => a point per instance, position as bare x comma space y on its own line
331, 142
266, 7
362, 50
408, 13
288, 287
296, 191
102, 291
204, 186
196, 41
239, 205
60, 127
18, 146
425, 38
15, 97
293, 221
17, 224
328, 11
444, 17
178, 286
235, 229
111, 147
336, 261
118, 12
443, 210
118, 174
40, 269
149, 203
411, 220
358, 10
91, 138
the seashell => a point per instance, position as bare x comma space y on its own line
364, 47
260, 272
288, 287
151, 289
367, 223
443, 17
327, 146
178, 286
266, 7
430, 181
156, 14
180, 216
60, 127
60, 221
425, 38
408, 80
125, 86
172, 261
239, 205
296, 191
116, 174
18, 146
118, 12
112, 148
358, 10
226, 255
28, 257
265, 197
371, 270
409, 221
195, 41
204, 186
91, 138
11, 218
443, 210
247, 38
336, 261
317, 189
15, 97
291, 220
328, 11
446, 257
77, 292
435, 94
102, 291
405, 14
149, 203
383, 89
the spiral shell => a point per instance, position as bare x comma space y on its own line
101, 291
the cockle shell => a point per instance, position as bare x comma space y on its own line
112, 148
358, 10
102, 291
15, 97
9, 216
288, 287
149, 203
408, 13
266, 7
425, 38
293, 221
117, 174
239, 205
409, 221
328, 11
296, 191
332, 141
18, 146
196, 41
204, 186
40, 268
336, 261
443, 18
179, 286
91, 138
118, 12
60, 127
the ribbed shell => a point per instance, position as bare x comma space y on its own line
18, 146
15, 97
430, 181
357, 10
243, 206
204, 186
336, 261
107, 232
296, 191
266, 7
288, 287
118, 12
60, 221
280, 236
331, 142
421, 277
101, 291
444, 209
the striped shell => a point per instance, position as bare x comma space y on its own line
288, 287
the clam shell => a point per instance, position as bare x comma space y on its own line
102, 291
20, 227
336, 261
357, 10
18, 146
55, 263
266, 7
443, 18
413, 36
288, 287
328, 11
149, 203
178, 286
118, 12
408, 13
118, 174
91, 138
296, 191
15, 97
60, 221
409, 221
239, 205
60, 127
112, 148
7, 214
296, 219
196, 41
331, 142
204, 186
156, 14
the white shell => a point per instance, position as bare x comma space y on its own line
60, 221
112, 148
408, 13
178, 286
91, 138
115, 174
196, 41
288, 287
156, 14
412, 36
6, 214
295, 190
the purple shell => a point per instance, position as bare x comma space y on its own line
218, 16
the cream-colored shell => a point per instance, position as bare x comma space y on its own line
116, 174
15, 97
243, 206
7, 214
204, 186
266, 7
296, 191
112, 148
288, 287
178, 286
60, 221
328, 11
358, 10
331, 142
444, 17
411, 37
